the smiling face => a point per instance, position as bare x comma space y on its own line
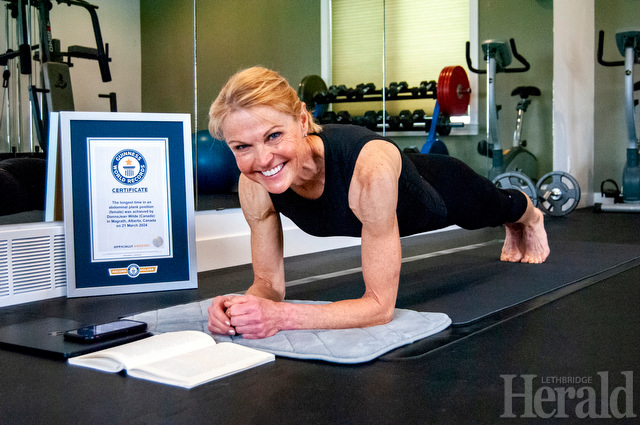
269, 146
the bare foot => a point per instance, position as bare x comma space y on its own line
512, 251
535, 240
526, 240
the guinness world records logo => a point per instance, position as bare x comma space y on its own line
129, 167
133, 270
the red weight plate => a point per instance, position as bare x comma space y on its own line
454, 93
442, 89
461, 91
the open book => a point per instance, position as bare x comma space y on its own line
185, 359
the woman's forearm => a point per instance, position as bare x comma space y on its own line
354, 313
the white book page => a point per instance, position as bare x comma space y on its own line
144, 351
200, 366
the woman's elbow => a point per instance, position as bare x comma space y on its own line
384, 316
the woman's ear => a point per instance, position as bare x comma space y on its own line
304, 118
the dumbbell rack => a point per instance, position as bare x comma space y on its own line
405, 121
427, 90
452, 93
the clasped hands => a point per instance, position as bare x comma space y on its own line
247, 315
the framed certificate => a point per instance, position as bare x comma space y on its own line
128, 202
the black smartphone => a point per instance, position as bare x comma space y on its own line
106, 331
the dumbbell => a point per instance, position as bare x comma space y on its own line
443, 125
343, 117
363, 89
335, 91
420, 90
328, 96
392, 90
328, 117
394, 122
380, 115
419, 116
322, 98
406, 119
426, 86
350, 93
370, 120
396, 88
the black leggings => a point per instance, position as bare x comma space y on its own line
472, 201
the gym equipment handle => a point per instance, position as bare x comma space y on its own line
514, 51
601, 61
520, 58
102, 56
469, 64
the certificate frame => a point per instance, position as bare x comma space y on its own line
110, 247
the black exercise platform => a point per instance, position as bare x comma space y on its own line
588, 328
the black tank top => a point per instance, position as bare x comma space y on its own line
420, 207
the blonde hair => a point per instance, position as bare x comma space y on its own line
256, 86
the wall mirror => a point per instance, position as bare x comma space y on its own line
60, 55
345, 43
175, 56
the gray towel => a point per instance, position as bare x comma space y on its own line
354, 345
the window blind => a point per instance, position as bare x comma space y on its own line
421, 38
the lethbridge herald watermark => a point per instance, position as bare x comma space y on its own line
594, 397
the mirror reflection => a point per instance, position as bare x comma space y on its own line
58, 55
290, 37
145, 63
278, 34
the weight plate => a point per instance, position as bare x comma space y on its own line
453, 90
445, 93
309, 88
442, 88
519, 181
558, 193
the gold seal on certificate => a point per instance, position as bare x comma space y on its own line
129, 198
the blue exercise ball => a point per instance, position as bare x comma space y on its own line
216, 166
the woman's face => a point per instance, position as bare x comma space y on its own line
267, 145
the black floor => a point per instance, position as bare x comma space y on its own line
519, 365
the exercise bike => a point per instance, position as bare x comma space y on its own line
556, 193
628, 43
517, 158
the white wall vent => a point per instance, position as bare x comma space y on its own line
32, 262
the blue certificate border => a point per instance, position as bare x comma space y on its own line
85, 277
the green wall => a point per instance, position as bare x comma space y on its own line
166, 29
280, 34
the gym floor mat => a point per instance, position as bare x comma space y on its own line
474, 284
